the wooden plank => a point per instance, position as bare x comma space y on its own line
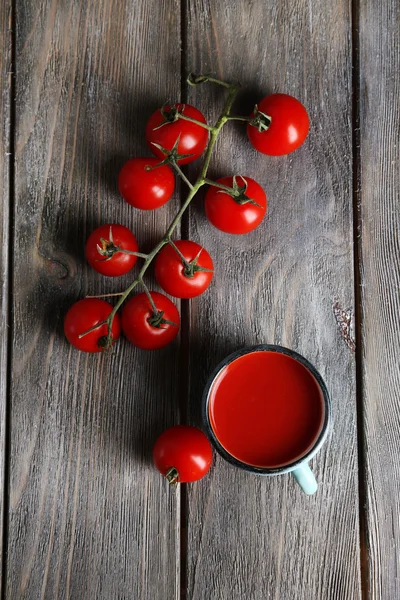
5, 152
251, 537
89, 516
380, 281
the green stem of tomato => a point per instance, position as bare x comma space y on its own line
181, 174
237, 118
139, 254
194, 80
179, 253
81, 335
200, 123
201, 180
260, 120
105, 296
221, 186
149, 297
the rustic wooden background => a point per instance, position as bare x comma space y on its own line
84, 514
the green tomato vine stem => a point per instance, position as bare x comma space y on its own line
193, 189
183, 259
181, 174
221, 186
199, 123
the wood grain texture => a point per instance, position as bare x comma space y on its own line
5, 153
89, 516
379, 25
251, 537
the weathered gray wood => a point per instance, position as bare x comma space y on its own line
251, 537
5, 153
5, 124
379, 25
89, 516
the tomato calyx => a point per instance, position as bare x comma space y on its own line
105, 342
260, 120
169, 116
238, 192
172, 475
190, 267
157, 319
108, 249
174, 113
171, 156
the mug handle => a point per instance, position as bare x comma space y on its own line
305, 478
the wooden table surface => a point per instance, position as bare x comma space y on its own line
85, 515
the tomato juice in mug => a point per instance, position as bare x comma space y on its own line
267, 411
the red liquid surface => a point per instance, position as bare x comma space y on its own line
266, 409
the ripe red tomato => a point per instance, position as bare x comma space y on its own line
145, 329
192, 137
85, 314
108, 250
240, 214
288, 128
184, 278
144, 185
182, 454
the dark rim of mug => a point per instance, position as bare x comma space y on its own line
251, 468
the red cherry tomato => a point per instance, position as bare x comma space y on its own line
184, 278
145, 329
182, 454
288, 128
108, 250
144, 185
236, 215
85, 314
193, 138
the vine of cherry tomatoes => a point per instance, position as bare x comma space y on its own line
177, 135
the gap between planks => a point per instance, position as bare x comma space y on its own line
358, 315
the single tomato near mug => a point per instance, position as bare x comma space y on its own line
184, 269
286, 121
111, 250
239, 208
182, 454
145, 185
166, 129
147, 328
86, 314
